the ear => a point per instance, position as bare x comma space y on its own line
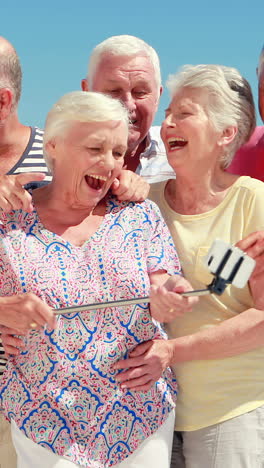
158, 97
227, 136
6, 100
50, 146
84, 85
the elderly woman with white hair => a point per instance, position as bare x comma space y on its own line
217, 350
81, 245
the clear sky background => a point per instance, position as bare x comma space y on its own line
54, 40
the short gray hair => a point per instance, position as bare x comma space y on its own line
124, 46
230, 100
80, 106
11, 74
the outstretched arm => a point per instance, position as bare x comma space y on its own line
239, 334
147, 361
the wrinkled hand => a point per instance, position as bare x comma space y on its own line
12, 344
166, 302
253, 245
130, 187
144, 365
12, 194
23, 312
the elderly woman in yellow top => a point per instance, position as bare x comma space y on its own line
81, 245
217, 350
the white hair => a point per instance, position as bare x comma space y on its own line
123, 46
80, 106
261, 62
230, 100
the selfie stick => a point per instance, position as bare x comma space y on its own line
228, 264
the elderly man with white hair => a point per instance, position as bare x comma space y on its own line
127, 68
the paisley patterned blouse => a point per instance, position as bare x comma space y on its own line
61, 391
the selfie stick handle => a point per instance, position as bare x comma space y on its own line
122, 302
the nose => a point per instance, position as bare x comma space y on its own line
129, 102
169, 121
107, 161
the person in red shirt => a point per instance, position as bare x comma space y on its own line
249, 159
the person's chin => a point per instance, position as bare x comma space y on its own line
135, 138
96, 195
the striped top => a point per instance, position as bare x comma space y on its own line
32, 160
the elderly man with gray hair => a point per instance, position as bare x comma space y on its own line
127, 68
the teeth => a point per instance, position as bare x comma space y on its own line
176, 142
175, 139
97, 177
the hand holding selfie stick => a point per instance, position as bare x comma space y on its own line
227, 263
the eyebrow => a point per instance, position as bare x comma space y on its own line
121, 147
101, 140
110, 81
114, 82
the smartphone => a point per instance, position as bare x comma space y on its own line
229, 263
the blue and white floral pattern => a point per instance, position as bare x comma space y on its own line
61, 390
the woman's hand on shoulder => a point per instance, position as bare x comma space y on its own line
166, 300
23, 312
130, 187
13, 196
253, 245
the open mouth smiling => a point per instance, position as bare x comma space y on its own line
133, 123
176, 143
96, 182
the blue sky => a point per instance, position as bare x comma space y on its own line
54, 39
